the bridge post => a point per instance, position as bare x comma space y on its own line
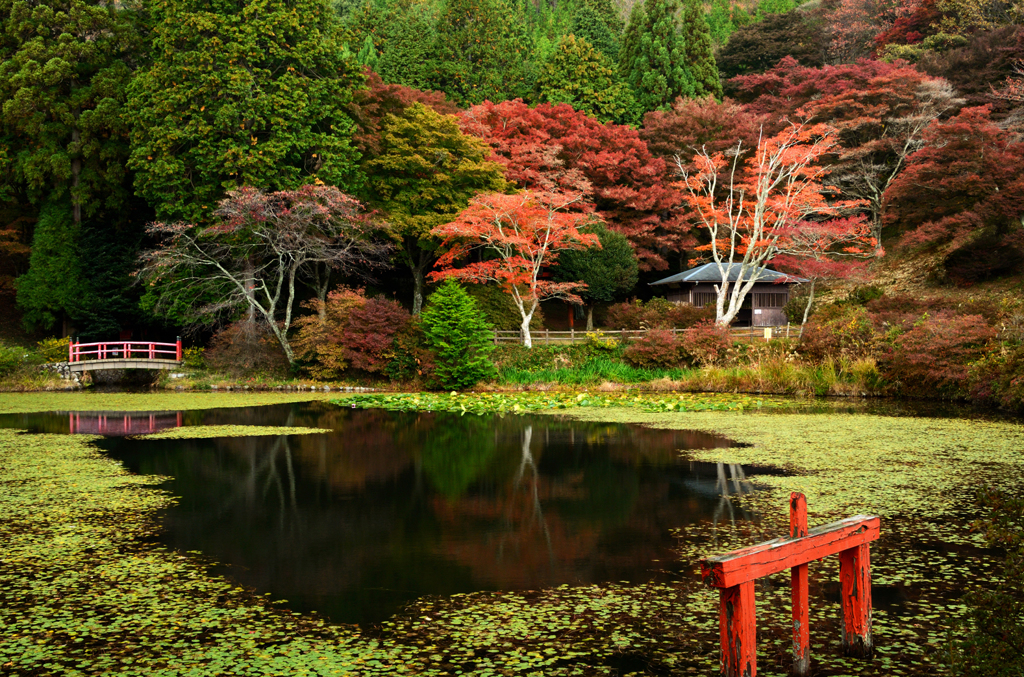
71, 349
179, 349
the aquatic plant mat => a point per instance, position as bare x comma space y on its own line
26, 403
85, 589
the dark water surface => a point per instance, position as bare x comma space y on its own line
393, 506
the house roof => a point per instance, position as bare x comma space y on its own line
709, 272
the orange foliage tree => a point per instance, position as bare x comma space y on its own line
520, 235
748, 209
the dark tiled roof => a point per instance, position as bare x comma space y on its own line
709, 272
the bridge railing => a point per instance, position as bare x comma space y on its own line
124, 350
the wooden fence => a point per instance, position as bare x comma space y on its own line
543, 337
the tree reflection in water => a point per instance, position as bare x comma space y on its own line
392, 506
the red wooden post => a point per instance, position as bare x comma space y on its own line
855, 578
798, 582
178, 350
71, 350
738, 628
152, 349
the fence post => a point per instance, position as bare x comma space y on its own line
855, 578
738, 629
798, 580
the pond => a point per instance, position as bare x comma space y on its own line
393, 506
544, 544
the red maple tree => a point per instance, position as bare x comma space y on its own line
817, 251
555, 148
751, 218
521, 235
966, 180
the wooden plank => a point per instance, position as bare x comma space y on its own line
738, 628
799, 590
855, 581
765, 559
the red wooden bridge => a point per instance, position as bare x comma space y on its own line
124, 355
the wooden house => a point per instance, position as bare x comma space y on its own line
761, 308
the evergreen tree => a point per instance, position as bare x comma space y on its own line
700, 54
610, 272
54, 286
589, 25
63, 73
720, 22
654, 57
582, 77
456, 330
251, 93
408, 39
766, 7
482, 51
367, 54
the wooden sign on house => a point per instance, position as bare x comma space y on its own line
763, 306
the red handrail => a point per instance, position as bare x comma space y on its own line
105, 350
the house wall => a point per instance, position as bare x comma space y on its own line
765, 301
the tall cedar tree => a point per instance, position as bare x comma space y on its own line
406, 54
758, 46
720, 22
423, 175
241, 93
554, 148
609, 272
590, 25
654, 57
584, 78
481, 52
63, 73
700, 54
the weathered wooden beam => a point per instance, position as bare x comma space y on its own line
855, 580
799, 589
771, 557
738, 627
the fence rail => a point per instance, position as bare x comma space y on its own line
548, 337
124, 350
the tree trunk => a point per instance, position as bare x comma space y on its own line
807, 311
524, 329
590, 317
419, 279
248, 279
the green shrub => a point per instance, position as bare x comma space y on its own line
11, 357
839, 331
53, 349
460, 337
193, 358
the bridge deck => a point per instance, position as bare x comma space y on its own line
120, 363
